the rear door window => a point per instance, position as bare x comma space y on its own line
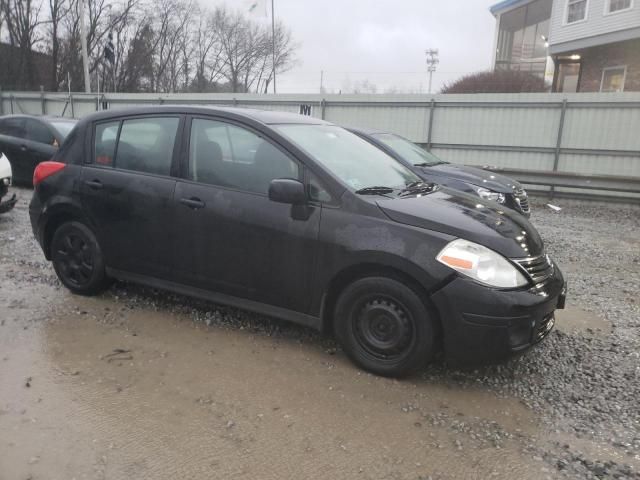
146, 145
106, 136
13, 127
38, 132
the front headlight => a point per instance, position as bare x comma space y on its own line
487, 194
481, 264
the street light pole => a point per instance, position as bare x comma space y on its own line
83, 44
273, 44
432, 61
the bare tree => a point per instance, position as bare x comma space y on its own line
160, 45
23, 19
134, 55
207, 53
57, 10
285, 49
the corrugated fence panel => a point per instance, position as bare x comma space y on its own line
602, 128
600, 132
521, 160
480, 125
411, 122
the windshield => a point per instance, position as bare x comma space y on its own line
64, 128
408, 150
350, 158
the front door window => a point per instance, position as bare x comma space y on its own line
226, 155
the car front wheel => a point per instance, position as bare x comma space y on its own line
77, 259
384, 326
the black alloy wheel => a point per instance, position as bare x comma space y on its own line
77, 259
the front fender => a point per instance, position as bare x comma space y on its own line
349, 241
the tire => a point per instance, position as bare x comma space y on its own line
78, 260
384, 326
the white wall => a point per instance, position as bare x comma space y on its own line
597, 21
508, 130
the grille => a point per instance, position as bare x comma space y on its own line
522, 199
539, 269
544, 327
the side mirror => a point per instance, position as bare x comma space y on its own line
287, 190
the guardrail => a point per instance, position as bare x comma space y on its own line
604, 183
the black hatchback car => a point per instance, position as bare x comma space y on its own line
487, 185
298, 219
27, 140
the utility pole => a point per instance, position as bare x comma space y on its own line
321, 81
432, 61
85, 55
273, 44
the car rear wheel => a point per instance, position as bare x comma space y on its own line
77, 259
384, 326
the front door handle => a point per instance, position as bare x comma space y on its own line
192, 202
94, 184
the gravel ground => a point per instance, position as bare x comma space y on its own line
584, 388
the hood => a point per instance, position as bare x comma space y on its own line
476, 176
466, 216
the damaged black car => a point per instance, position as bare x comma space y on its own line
298, 219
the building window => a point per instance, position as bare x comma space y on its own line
613, 6
613, 79
522, 34
576, 10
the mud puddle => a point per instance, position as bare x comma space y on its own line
573, 320
91, 389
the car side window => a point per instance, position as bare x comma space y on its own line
227, 155
104, 147
146, 145
13, 127
37, 131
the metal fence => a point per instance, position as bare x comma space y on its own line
575, 143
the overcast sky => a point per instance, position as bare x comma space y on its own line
381, 40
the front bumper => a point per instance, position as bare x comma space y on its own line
482, 324
7, 204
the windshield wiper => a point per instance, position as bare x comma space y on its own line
432, 164
376, 190
416, 188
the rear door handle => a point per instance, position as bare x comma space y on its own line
192, 202
23, 148
95, 184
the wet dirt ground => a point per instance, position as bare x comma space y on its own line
133, 384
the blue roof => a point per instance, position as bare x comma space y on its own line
502, 5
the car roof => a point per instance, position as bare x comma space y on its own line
365, 131
267, 117
47, 118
